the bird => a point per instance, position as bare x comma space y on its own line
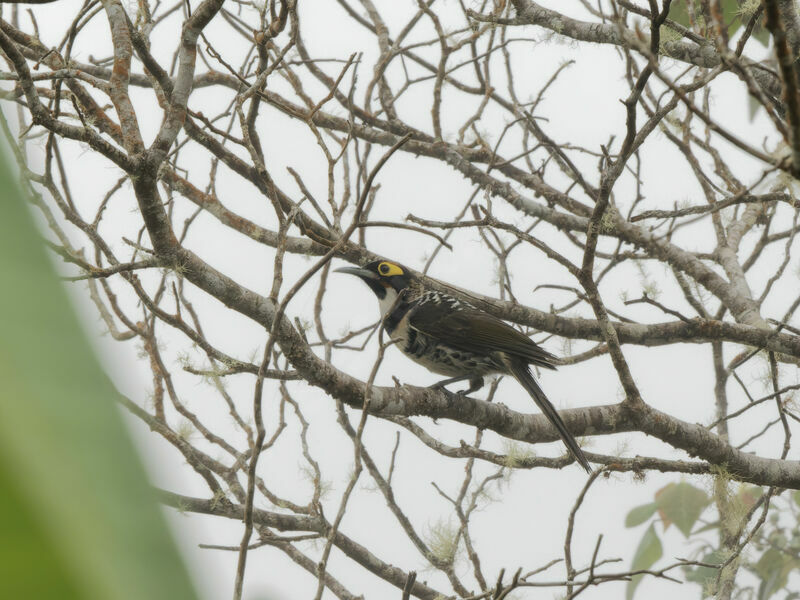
450, 336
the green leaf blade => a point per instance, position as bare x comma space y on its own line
64, 451
640, 514
682, 504
647, 553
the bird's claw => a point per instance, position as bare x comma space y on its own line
460, 395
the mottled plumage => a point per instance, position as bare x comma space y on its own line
449, 336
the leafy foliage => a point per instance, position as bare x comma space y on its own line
706, 576
735, 13
777, 543
647, 553
640, 514
77, 515
773, 568
681, 504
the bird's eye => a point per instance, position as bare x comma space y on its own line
387, 269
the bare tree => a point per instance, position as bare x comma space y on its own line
183, 114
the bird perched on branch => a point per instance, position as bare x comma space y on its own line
452, 337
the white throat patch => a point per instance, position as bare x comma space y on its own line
387, 301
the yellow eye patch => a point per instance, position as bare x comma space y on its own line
387, 269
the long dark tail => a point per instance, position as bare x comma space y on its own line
522, 372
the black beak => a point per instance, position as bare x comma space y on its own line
358, 271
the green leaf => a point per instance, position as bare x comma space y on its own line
648, 552
678, 13
753, 106
29, 567
733, 16
78, 517
773, 568
761, 34
796, 497
706, 576
682, 504
640, 514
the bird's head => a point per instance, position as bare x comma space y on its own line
385, 278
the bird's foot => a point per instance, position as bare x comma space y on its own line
459, 395
475, 383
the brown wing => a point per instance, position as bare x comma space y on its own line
476, 331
